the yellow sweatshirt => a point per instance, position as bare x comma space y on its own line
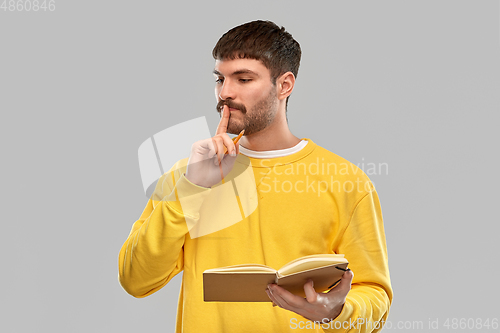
309, 202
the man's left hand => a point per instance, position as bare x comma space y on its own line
320, 307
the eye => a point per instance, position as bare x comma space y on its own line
218, 81
245, 80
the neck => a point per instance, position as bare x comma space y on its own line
274, 137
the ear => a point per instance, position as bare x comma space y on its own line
285, 84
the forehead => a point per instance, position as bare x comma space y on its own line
240, 66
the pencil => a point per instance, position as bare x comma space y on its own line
235, 140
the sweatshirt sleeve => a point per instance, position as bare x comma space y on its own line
153, 252
364, 245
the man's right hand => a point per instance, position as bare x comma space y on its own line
203, 165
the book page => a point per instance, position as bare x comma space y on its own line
311, 262
324, 278
249, 268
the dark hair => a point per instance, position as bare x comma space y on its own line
264, 41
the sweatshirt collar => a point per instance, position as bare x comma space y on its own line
277, 161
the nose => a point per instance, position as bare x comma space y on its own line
226, 91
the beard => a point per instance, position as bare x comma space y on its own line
260, 116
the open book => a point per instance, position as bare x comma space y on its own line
247, 283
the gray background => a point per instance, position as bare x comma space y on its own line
414, 84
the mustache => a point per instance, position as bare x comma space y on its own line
230, 104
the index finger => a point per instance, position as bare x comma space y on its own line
286, 297
224, 119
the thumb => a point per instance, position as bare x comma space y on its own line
311, 294
345, 281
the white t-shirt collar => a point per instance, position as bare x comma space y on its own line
273, 153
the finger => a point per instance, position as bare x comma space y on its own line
219, 150
212, 145
311, 294
345, 283
287, 299
237, 138
272, 298
224, 119
228, 143
284, 304
347, 279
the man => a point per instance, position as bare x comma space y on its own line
304, 207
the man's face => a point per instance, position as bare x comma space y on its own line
244, 85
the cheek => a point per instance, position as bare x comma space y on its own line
256, 95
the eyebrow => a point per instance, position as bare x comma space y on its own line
239, 71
